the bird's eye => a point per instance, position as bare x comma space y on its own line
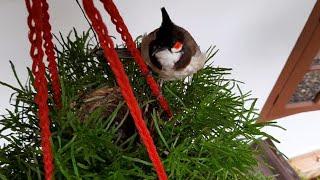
177, 47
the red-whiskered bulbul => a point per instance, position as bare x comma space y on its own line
171, 51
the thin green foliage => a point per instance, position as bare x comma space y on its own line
209, 136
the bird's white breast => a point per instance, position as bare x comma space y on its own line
167, 59
168, 71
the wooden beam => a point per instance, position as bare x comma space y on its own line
315, 68
317, 99
272, 163
307, 165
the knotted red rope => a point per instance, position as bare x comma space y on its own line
116, 66
48, 45
36, 23
131, 45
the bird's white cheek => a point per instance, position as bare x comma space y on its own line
175, 50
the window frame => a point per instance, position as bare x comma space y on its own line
297, 65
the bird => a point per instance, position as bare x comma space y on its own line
171, 52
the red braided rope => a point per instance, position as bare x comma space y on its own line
131, 45
124, 84
40, 83
48, 45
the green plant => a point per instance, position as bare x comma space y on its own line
209, 136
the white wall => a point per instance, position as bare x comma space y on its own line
254, 38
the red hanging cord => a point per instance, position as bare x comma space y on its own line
48, 45
131, 45
124, 84
40, 83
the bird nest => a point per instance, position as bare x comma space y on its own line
105, 99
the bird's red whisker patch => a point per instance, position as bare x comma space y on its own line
177, 45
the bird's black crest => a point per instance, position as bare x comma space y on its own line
166, 21
164, 35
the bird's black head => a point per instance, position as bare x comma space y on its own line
168, 37
168, 33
